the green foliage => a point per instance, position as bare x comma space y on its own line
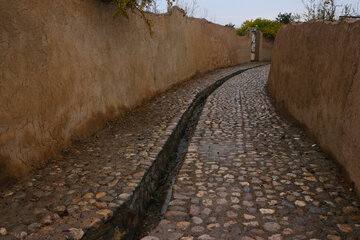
136, 6
267, 27
285, 18
154, 195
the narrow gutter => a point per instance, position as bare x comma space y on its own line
127, 222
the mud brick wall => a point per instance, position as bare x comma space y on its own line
67, 66
315, 81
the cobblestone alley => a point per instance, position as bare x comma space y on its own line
249, 174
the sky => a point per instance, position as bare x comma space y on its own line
237, 11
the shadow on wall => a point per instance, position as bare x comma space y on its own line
71, 66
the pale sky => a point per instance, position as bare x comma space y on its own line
237, 11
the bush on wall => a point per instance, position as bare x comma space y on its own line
137, 6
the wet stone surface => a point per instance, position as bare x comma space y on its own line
82, 188
249, 174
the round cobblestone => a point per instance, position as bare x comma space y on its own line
250, 174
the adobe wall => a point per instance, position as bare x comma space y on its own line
315, 80
67, 66
265, 48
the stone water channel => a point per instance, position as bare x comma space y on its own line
225, 166
162, 173
83, 192
250, 175
172, 156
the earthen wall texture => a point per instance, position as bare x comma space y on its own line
315, 81
266, 47
67, 66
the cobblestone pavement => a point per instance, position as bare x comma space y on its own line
80, 189
249, 174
